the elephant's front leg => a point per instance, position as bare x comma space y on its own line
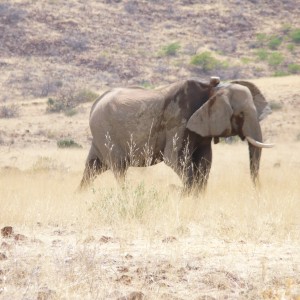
198, 171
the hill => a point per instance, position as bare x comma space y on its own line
47, 46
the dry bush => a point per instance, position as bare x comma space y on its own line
68, 99
9, 111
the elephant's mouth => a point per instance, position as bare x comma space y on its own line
237, 122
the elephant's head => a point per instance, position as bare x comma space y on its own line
234, 109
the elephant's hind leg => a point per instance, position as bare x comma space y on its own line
93, 167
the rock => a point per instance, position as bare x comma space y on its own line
169, 239
105, 239
133, 296
125, 279
7, 231
20, 237
122, 269
6, 246
46, 294
3, 256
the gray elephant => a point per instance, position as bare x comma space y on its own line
175, 124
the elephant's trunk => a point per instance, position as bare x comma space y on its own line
251, 129
254, 154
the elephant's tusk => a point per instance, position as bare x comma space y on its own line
258, 144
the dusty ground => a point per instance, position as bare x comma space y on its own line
146, 240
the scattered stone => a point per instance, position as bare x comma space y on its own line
128, 256
169, 239
20, 237
2, 256
105, 239
59, 232
206, 297
133, 296
123, 269
7, 231
125, 279
56, 242
6, 246
46, 294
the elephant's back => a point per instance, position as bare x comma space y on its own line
126, 114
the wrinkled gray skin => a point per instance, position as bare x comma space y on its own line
175, 124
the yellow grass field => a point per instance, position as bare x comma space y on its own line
145, 240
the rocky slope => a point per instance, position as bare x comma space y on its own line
49, 45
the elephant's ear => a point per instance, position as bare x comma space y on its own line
262, 107
213, 118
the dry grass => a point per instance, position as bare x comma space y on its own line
233, 241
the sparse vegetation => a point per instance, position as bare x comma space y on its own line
280, 73
68, 99
275, 59
294, 68
171, 49
291, 47
295, 36
207, 62
261, 38
262, 54
68, 143
9, 111
44, 163
274, 42
275, 105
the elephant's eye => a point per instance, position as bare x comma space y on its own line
241, 114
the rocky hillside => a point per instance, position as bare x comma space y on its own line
46, 46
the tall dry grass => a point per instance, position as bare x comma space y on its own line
151, 197
234, 240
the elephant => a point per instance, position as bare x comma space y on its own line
175, 124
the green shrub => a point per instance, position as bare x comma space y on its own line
262, 54
207, 62
275, 105
286, 28
67, 143
275, 59
280, 73
86, 95
171, 49
298, 137
71, 112
261, 38
147, 85
295, 36
54, 105
274, 42
294, 68
246, 60
291, 47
